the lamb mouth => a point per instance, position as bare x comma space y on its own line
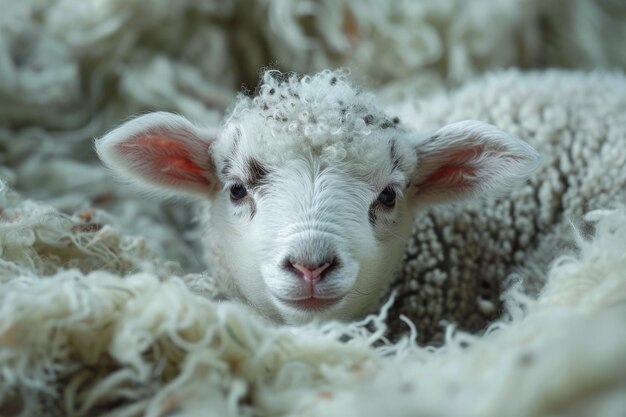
312, 303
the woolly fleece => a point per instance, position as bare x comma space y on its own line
459, 259
96, 343
70, 70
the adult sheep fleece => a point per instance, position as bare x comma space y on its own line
310, 188
458, 259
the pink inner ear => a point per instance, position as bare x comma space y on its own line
164, 160
456, 172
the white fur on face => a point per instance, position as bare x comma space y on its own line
308, 210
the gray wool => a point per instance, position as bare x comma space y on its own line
461, 258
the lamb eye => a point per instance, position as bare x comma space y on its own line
237, 192
387, 197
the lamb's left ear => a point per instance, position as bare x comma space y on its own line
163, 152
469, 158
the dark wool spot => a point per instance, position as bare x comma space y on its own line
396, 120
372, 215
333, 81
340, 102
272, 91
395, 158
280, 77
252, 209
227, 167
369, 119
343, 111
386, 124
255, 172
265, 106
359, 108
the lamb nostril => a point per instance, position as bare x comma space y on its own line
312, 273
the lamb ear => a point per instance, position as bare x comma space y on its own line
469, 158
163, 152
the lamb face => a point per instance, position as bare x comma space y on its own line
310, 188
314, 235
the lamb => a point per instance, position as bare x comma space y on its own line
309, 189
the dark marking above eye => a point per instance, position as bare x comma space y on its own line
228, 165
393, 153
386, 124
255, 172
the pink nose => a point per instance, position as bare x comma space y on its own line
311, 274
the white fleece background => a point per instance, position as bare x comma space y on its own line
94, 320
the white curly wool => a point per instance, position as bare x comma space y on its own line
324, 111
416, 46
94, 343
37, 240
460, 258
94, 340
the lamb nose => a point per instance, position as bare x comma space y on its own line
313, 273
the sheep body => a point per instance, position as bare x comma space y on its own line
461, 258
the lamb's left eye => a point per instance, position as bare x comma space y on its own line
387, 197
237, 192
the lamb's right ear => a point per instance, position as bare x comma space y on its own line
469, 158
163, 152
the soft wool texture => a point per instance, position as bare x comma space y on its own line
459, 258
86, 341
95, 319
324, 111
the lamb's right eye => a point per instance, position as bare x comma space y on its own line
237, 192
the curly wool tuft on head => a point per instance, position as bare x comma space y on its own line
322, 111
